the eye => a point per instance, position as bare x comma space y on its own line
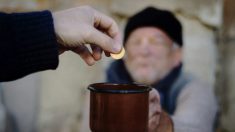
156, 41
153, 41
134, 42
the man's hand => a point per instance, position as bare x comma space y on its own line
83, 25
159, 121
154, 110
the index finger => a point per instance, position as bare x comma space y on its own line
106, 23
109, 27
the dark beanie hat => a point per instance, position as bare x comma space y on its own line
161, 19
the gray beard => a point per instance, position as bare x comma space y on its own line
139, 78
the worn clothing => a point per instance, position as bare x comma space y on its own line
190, 102
27, 44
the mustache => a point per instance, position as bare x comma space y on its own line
143, 61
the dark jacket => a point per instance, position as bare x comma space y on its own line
27, 44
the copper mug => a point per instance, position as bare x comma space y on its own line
119, 107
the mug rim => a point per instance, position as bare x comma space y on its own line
100, 88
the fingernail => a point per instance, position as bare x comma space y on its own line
91, 62
118, 43
117, 48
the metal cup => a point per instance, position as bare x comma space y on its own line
119, 107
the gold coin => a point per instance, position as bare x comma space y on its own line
118, 55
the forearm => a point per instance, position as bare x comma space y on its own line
27, 44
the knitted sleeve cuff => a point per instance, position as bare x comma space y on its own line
29, 44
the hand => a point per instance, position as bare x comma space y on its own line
165, 123
154, 110
83, 25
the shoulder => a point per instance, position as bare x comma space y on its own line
197, 89
194, 83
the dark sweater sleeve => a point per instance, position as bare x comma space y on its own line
27, 44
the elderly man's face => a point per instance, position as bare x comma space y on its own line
150, 55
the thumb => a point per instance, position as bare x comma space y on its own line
103, 40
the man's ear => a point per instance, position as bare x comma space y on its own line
177, 56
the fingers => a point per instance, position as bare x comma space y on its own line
154, 95
165, 123
110, 27
154, 109
85, 54
107, 54
97, 52
153, 123
102, 40
106, 23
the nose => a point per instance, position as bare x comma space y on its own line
144, 47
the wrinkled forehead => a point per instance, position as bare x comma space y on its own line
143, 32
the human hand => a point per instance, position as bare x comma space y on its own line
154, 110
77, 27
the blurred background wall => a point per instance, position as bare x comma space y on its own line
52, 101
